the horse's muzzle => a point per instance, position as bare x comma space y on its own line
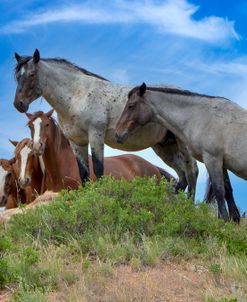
21, 106
24, 182
121, 138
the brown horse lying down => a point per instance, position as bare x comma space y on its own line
61, 168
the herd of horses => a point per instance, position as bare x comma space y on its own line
180, 126
46, 161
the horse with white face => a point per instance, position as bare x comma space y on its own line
88, 107
29, 169
213, 128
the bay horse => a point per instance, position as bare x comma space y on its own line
60, 161
88, 107
213, 128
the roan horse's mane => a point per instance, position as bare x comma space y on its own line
25, 59
60, 141
172, 90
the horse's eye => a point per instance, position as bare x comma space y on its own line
131, 106
47, 125
32, 75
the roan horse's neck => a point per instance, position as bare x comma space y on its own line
175, 112
60, 84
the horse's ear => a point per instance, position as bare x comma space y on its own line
49, 113
12, 160
15, 143
36, 56
142, 89
29, 115
17, 57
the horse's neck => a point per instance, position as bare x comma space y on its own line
53, 156
172, 111
61, 84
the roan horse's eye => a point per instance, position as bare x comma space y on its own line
131, 106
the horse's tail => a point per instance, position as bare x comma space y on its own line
167, 175
209, 195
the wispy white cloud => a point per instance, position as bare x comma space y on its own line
168, 17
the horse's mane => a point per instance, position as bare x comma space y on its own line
25, 59
60, 141
172, 90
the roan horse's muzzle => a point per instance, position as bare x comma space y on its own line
21, 106
121, 137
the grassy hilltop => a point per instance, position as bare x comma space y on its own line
123, 241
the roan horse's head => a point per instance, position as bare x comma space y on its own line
7, 179
26, 73
25, 161
41, 130
136, 114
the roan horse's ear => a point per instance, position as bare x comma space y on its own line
142, 89
15, 143
17, 57
36, 56
49, 113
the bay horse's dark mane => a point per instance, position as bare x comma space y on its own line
172, 91
25, 59
60, 141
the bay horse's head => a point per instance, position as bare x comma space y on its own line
136, 114
7, 179
25, 161
40, 125
26, 73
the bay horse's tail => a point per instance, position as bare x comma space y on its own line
167, 175
209, 195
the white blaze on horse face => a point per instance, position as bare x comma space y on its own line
36, 135
22, 70
3, 174
24, 156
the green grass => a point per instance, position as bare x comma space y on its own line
116, 222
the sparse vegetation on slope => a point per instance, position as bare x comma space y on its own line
107, 224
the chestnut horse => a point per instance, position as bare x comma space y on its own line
14, 189
60, 162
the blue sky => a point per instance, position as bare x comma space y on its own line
197, 45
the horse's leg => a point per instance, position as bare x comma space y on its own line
81, 153
167, 150
209, 195
214, 167
233, 210
191, 168
96, 141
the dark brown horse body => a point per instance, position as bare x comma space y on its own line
60, 163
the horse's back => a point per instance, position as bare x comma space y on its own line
129, 166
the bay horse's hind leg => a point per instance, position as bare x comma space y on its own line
81, 153
233, 210
214, 167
